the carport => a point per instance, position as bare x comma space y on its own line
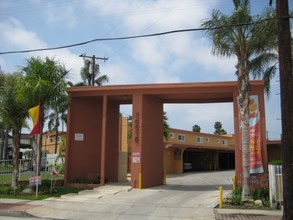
208, 159
93, 127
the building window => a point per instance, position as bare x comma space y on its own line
171, 135
181, 137
207, 140
218, 141
51, 140
225, 142
59, 138
199, 139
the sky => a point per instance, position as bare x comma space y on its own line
174, 58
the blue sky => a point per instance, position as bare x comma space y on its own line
181, 57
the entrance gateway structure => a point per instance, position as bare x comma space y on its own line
93, 128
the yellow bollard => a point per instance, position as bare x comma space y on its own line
139, 181
234, 182
221, 197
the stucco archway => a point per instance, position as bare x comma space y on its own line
93, 127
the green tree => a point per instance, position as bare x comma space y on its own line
196, 128
43, 83
59, 113
244, 36
87, 75
15, 113
166, 126
218, 128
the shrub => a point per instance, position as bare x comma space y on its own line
262, 194
235, 197
275, 162
8, 190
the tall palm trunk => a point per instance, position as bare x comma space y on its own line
243, 99
15, 155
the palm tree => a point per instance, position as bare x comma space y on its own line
218, 128
15, 113
59, 107
196, 128
243, 36
87, 75
43, 82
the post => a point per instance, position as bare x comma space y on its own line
139, 181
94, 58
221, 197
234, 182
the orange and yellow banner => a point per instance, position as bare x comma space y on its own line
256, 165
34, 112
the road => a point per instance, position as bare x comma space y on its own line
186, 196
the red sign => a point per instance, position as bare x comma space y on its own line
256, 165
34, 180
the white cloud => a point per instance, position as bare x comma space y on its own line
62, 16
14, 34
184, 116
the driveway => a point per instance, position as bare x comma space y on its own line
186, 196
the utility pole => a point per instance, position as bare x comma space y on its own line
93, 58
286, 84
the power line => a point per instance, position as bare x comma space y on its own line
131, 37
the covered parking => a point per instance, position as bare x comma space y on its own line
208, 160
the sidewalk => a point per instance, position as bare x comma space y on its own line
23, 208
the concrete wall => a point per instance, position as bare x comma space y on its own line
83, 156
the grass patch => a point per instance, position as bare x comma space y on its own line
44, 191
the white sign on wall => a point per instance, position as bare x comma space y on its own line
135, 157
78, 137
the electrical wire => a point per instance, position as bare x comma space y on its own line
131, 37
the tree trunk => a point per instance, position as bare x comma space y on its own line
56, 133
2, 144
15, 155
243, 101
286, 83
6, 142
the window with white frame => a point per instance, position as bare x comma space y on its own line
207, 140
181, 137
171, 135
199, 140
225, 142
218, 141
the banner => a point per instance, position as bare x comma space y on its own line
256, 165
34, 112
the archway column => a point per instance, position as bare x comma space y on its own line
147, 142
